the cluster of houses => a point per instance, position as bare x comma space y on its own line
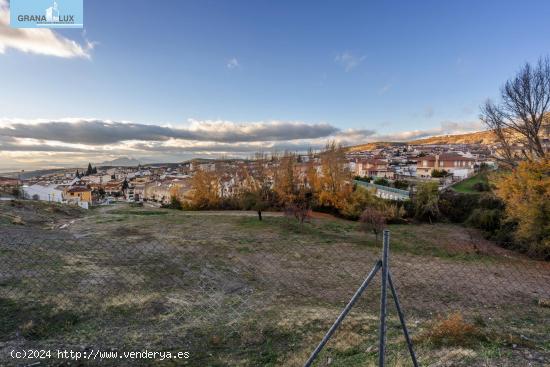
159, 183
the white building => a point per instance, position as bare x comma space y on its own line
53, 192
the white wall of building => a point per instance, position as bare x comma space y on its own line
44, 193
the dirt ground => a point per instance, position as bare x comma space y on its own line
234, 291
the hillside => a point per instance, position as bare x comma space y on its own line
480, 137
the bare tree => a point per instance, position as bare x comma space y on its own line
300, 206
523, 110
372, 220
257, 195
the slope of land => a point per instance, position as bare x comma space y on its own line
234, 291
480, 137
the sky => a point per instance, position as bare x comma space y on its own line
167, 80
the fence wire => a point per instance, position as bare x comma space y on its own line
262, 295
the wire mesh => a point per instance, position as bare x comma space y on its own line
256, 294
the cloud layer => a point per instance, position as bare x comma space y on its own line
98, 132
38, 41
69, 142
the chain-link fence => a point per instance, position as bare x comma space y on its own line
234, 291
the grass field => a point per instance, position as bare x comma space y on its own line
234, 291
467, 186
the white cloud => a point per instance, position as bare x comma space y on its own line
348, 60
233, 63
38, 41
99, 132
40, 143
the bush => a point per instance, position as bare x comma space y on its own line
175, 203
359, 200
426, 202
382, 181
16, 192
395, 213
401, 184
372, 220
486, 219
456, 206
490, 201
481, 186
504, 236
439, 173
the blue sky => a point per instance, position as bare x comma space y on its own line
392, 69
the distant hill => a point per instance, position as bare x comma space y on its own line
480, 137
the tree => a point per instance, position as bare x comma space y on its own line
372, 220
206, 190
89, 171
523, 110
257, 194
300, 206
426, 201
125, 186
358, 201
312, 176
286, 180
335, 181
16, 191
526, 194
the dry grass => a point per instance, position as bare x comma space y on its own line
239, 292
452, 330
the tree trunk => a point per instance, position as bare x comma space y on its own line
259, 214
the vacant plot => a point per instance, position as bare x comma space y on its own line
234, 291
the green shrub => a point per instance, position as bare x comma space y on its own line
359, 200
439, 173
401, 184
490, 201
382, 181
426, 201
175, 203
486, 219
481, 186
456, 206
364, 179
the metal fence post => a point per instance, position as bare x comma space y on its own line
345, 311
383, 300
402, 319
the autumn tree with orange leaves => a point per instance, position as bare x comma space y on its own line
206, 190
526, 192
335, 180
